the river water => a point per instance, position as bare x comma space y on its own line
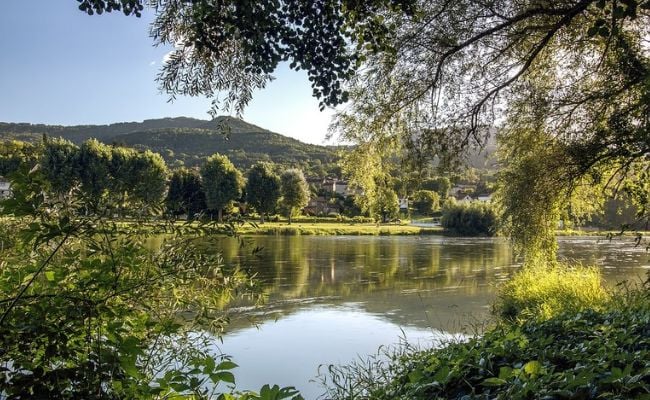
334, 299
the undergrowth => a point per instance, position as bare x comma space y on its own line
541, 291
551, 344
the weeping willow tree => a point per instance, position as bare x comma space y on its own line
566, 83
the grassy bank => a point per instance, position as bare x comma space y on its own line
551, 343
602, 233
296, 228
333, 228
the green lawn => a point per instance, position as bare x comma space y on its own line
334, 228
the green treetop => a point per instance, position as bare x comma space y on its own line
60, 164
262, 189
295, 191
222, 183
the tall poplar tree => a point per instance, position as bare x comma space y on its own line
262, 189
222, 183
294, 190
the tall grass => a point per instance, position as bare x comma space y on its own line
543, 290
558, 335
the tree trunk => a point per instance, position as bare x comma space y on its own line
220, 215
261, 218
289, 218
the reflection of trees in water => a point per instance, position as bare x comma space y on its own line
421, 281
294, 267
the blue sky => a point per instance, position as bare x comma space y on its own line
61, 66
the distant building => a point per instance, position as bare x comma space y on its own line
458, 189
332, 185
463, 198
485, 198
319, 206
403, 203
341, 188
5, 188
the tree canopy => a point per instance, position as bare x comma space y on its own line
222, 183
233, 46
573, 73
294, 190
262, 189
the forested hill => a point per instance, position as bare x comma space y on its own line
188, 140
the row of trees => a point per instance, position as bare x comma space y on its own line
120, 179
218, 183
125, 176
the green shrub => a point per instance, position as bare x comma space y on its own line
473, 219
541, 291
426, 202
573, 355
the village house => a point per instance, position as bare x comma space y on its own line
318, 206
461, 189
5, 188
333, 186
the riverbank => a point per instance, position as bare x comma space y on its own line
333, 228
328, 226
252, 228
591, 347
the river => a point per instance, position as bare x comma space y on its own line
334, 299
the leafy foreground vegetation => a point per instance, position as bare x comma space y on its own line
596, 347
88, 311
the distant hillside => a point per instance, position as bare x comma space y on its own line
188, 140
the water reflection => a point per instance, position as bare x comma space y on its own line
415, 281
289, 352
333, 298
424, 282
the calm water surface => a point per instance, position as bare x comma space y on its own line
333, 299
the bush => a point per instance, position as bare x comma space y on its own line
572, 355
542, 291
426, 202
473, 219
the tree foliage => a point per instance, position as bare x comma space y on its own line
440, 185
185, 194
94, 170
222, 183
426, 201
580, 66
15, 153
294, 191
234, 46
473, 219
60, 164
262, 189
149, 178
384, 205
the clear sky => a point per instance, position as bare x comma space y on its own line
61, 66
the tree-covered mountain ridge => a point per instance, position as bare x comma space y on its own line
188, 140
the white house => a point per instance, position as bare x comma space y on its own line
5, 188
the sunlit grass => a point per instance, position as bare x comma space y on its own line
543, 290
333, 228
